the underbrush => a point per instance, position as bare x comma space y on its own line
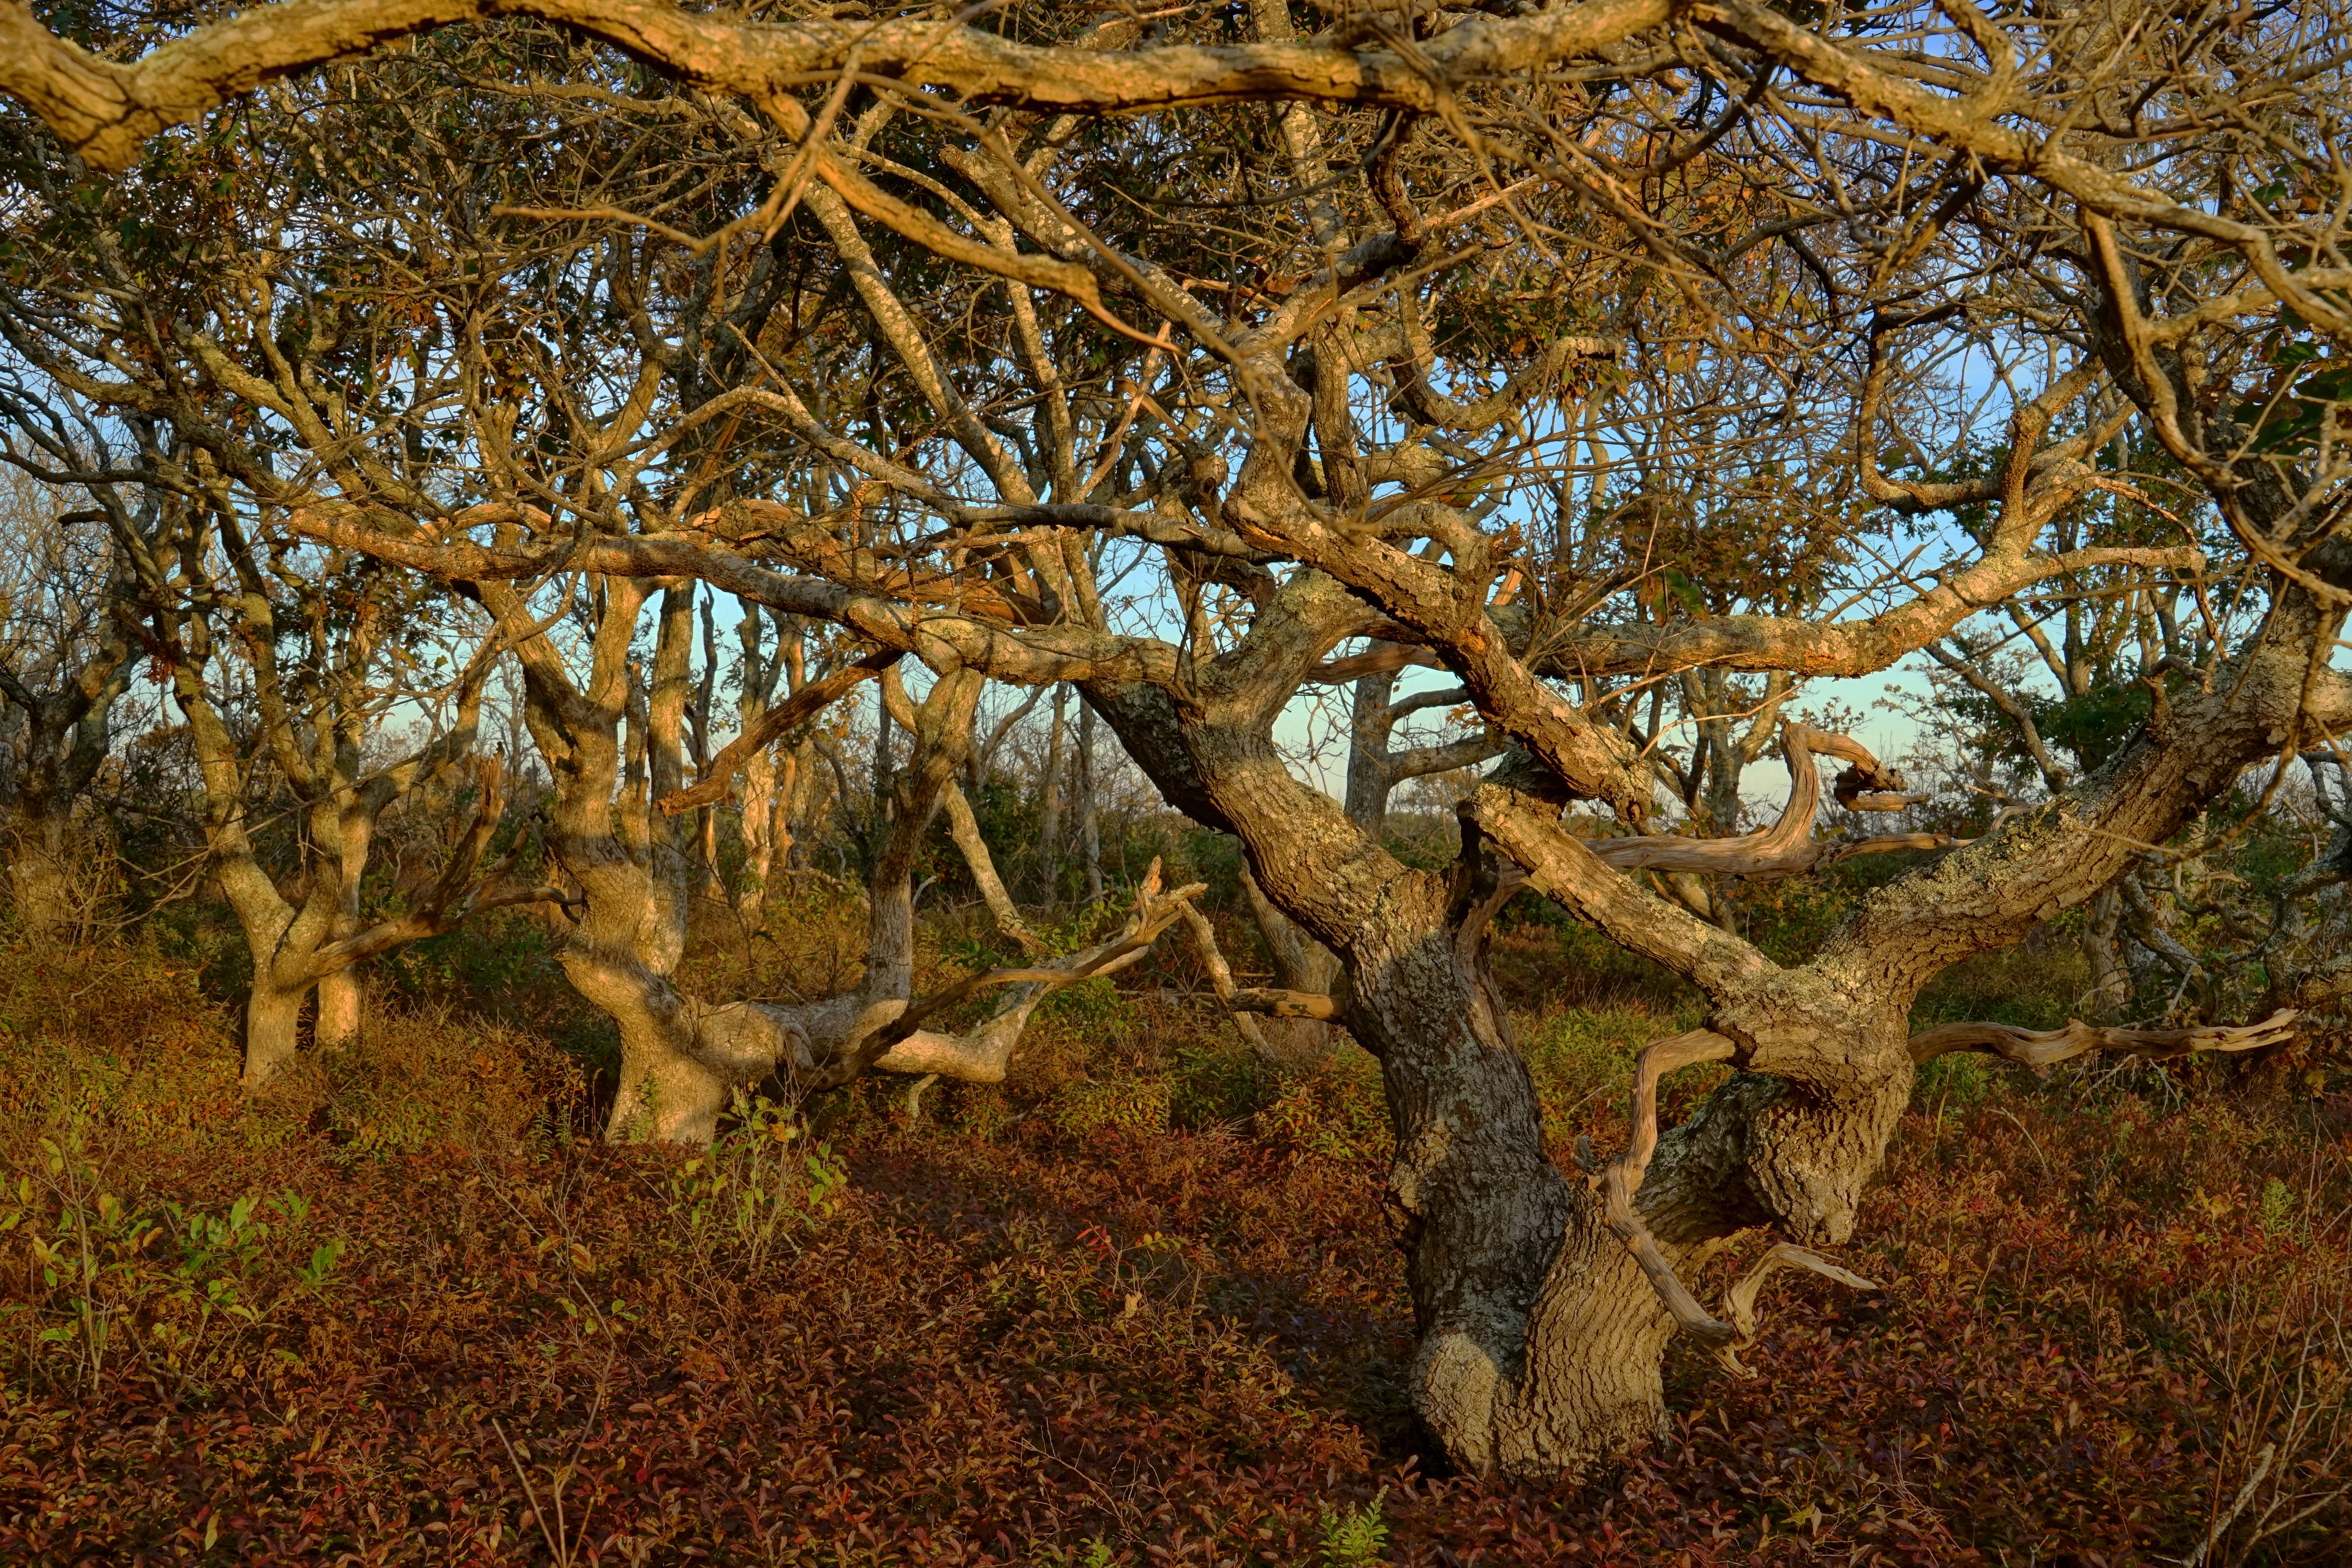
1136, 1306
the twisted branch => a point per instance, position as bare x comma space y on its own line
1619, 1181
1787, 848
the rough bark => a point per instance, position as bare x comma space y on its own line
41, 872
2110, 981
273, 1018
106, 111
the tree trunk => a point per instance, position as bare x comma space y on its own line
1300, 964
2110, 980
41, 877
273, 1016
1049, 810
342, 996
1541, 1338
760, 790
343, 992
1369, 779
1089, 828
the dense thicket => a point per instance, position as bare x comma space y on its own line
1359, 478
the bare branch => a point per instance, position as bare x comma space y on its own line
1221, 976
777, 721
1153, 913
2041, 1047
1787, 848
964, 828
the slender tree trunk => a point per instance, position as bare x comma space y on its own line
343, 992
2102, 943
637, 879
1369, 780
1089, 824
1300, 964
1049, 810
760, 790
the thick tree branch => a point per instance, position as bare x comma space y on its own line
105, 111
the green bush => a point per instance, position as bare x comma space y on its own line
752, 1189
1210, 1087
1959, 1078
1355, 1537
1131, 1105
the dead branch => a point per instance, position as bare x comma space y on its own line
2041, 1047
1285, 1004
1787, 848
1153, 913
1619, 1183
1221, 976
964, 828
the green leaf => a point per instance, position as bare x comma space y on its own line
1685, 591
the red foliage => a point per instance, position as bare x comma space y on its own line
1188, 1346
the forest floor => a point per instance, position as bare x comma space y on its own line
1138, 1307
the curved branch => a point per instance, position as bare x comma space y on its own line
1619, 1183
1787, 847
